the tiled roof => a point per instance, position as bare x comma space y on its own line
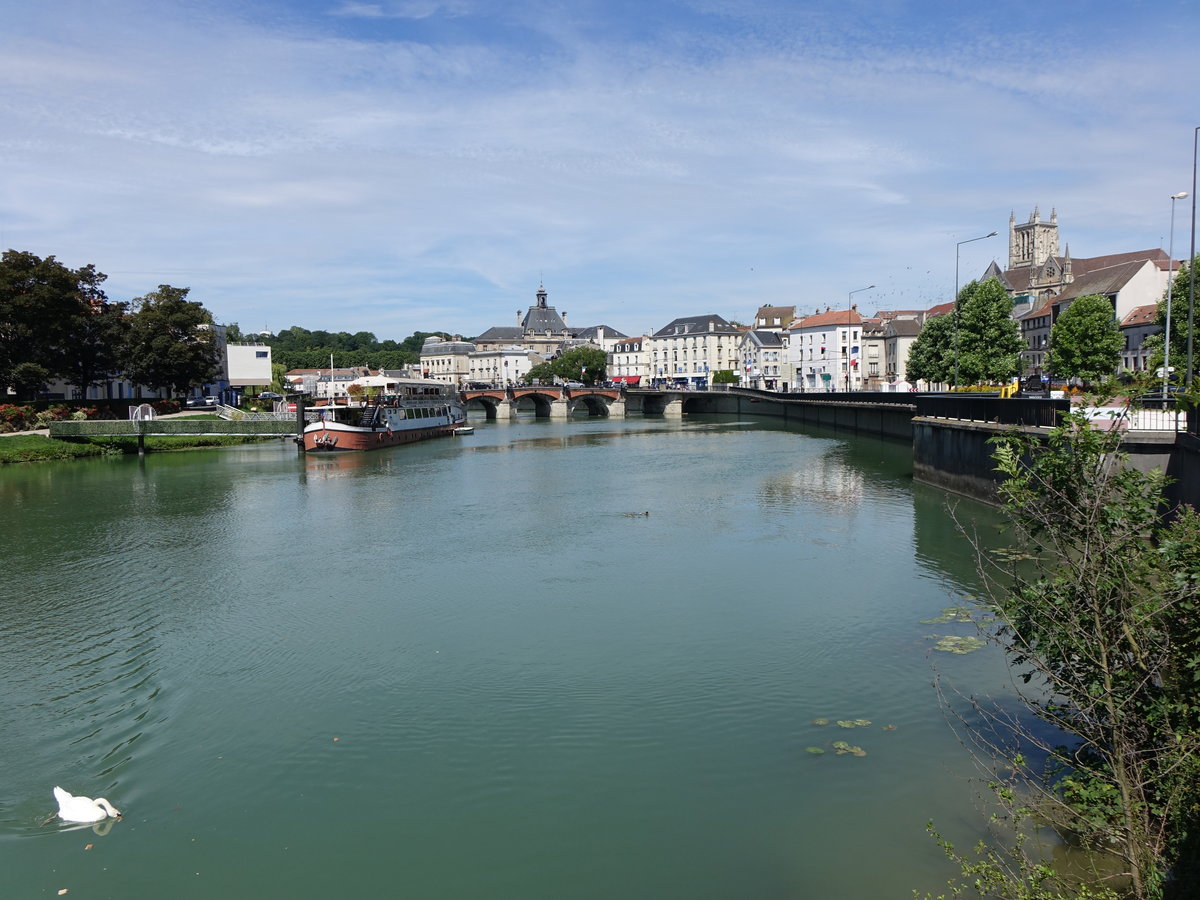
1041, 309
1091, 264
501, 333
695, 325
783, 313
833, 317
902, 328
594, 331
541, 319
768, 338
1105, 281
1141, 315
940, 310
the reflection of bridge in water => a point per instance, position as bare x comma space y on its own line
560, 402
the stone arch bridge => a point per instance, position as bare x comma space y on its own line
560, 402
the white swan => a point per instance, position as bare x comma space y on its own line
83, 809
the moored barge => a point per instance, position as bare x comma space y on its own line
406, 411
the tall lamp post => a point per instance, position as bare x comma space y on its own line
849, 323
1170, 279
957, 248
1192, 263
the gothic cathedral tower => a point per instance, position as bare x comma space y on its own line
1031, 244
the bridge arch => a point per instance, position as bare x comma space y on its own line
596, 405
490, 404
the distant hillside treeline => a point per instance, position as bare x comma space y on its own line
299, 348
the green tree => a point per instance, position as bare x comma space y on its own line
41, 302
725, 376
1099, 600
1086, 341
96, 344
29, 379
1179, 305
586, 364
171, 344
931, 356
987, 346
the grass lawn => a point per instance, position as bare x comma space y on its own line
36, 447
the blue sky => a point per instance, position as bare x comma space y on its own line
403, 165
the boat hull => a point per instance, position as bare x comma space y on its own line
335, 437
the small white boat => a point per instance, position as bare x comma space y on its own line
464, 429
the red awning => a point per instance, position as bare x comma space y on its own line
627, 379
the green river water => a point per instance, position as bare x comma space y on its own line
461, 669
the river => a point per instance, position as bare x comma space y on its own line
474, 668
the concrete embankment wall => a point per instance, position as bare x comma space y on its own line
864, 418
956, 455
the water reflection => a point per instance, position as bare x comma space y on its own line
95, 554
513, 667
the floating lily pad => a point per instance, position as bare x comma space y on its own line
862, 723
841, 746
889, 727
815, 751
845, 723
950, 614
820, 721
960, 644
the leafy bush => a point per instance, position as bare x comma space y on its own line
15, 418
54, 413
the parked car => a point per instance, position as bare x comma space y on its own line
270, 395
200, 402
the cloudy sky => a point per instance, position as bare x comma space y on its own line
403, 165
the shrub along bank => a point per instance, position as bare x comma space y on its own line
35, 447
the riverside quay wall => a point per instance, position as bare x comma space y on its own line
951, 434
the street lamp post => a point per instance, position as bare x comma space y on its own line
1192, 263
849, 322
957, 248
1170, 279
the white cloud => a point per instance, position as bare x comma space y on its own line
403, 181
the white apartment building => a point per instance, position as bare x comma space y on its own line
824, 351
688, 350
502, 367
448, 361
763, 360
627, 361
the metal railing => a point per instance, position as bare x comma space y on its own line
996, 410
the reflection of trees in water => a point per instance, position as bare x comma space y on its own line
940, 543
93, 553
